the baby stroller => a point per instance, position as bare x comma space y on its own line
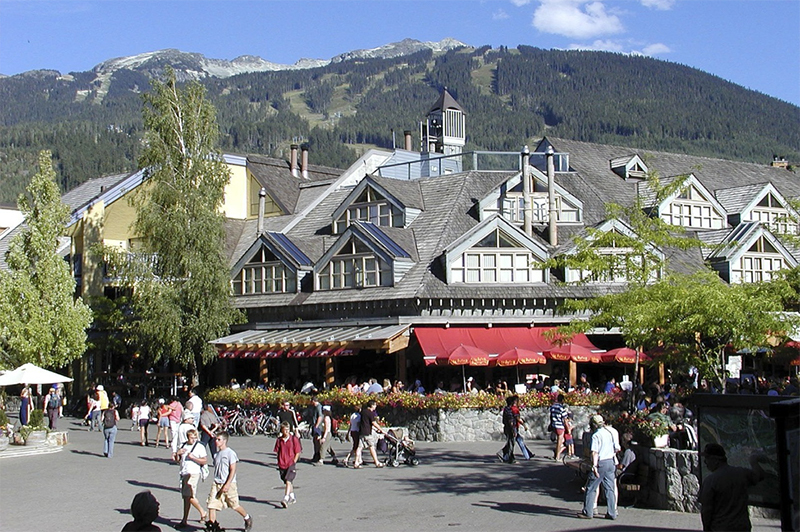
400, 448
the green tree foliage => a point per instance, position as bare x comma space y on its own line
693, 319
183, 302
42, 322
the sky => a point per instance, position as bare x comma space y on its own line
754, 43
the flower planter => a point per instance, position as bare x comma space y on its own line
36, 438
661, 441
4, 442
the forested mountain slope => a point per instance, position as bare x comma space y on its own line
93, 124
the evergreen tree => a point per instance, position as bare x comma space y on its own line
183, 301
42, 322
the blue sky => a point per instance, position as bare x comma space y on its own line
755, 43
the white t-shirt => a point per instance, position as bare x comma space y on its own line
144, 412
197, 406
190, 467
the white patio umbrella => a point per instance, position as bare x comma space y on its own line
31, 374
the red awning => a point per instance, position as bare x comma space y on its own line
438, 342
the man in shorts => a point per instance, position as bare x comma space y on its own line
288, 449
368, 434
192, 456
224, 492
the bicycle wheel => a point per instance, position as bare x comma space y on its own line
249, 427
272, 426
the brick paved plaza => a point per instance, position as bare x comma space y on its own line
458, 486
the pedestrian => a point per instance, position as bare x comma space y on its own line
52, 404
183, 433
163, 423
25, 405
175, 418
195, 405
604, 449
288, 449
569, 441
92, 406
224, 491
144, 510
368, 434
557, 412
110, 418
510, 421
192, 457
209, 425
143, 419
326, 437
315, 415
723, 494
352, 435
526, 453
286, 414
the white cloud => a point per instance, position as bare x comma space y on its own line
661, 5
599, 46
499, 15
621, 47
656, 48
579, 19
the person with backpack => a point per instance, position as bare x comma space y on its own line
109, 420
192, 457
52, 404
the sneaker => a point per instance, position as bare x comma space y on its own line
582, 515
610, 517
248, 524
292, 499
318, 463
285, 502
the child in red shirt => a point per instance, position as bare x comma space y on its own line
288, 449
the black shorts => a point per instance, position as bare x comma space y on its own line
288, 474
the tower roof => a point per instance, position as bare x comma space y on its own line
445, 101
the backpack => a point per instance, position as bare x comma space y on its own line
334, 424
52, 402
109, 419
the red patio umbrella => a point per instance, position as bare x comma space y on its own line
520, 357
468, 355
573, 353
623, 355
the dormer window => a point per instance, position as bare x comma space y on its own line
760, 263
771, 212
355, 265
629, 167
496, 258
693, 209
264, 273
370, 206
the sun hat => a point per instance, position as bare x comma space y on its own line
597, 421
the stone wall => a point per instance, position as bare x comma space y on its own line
473, 424
673, 480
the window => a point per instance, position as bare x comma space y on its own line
759, 263
354, 266
512, 208
270, 207
370, 207
774, 215
691, 209
264, 273
496, 259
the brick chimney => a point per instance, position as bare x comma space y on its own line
304, 161
779, 161
407, 140
293, 161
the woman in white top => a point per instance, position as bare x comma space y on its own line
144, 420
193, 457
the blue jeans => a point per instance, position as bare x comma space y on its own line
523, 448
109, 435
605, 476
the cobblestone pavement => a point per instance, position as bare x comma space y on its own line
457, 486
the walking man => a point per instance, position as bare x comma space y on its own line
510, 422
604, 449
723, 495
316, 428
224, 491
288, 449
368, 434
192, 456
286, 414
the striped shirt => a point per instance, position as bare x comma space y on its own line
557, 413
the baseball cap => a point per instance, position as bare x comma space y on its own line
326, 407
188, 415
99, 388
597, 420
714, 450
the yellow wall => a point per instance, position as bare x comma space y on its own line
235, 202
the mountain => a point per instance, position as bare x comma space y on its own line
91, 121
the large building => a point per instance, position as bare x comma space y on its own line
411, 254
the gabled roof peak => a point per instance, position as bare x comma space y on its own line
446, 101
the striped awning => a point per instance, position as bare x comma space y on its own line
307, 342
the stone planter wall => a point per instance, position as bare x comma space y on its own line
472, 424
673, 478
